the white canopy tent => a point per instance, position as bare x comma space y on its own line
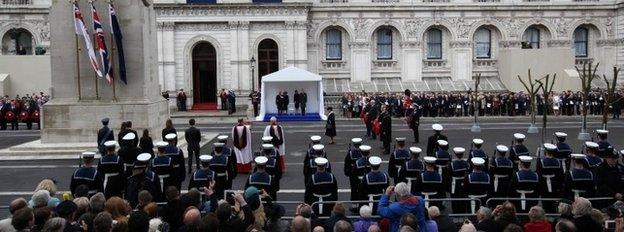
289, 80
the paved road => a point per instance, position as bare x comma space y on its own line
19, 178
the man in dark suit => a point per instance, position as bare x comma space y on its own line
303, 100
279, 99
285, 103
296, 101
386, 128
193, 137
104, 134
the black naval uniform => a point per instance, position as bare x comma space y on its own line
604, 148
477, 152
374, 185
563, 154
415, 123
517, 151
177, 158
551, 173
349, 165
397, 159
432, 143
431, 186
201, 178
321, 187
104, 134
111, 167
579, 182
593, 162
501, 169
458, 168
410, 173
162, 166
309, 166
221, 166
524, 184
443, 158
232, 165
477, 185
361, 168
128, 154
88, 176
274, 168
146, 180
609, 180
262, 181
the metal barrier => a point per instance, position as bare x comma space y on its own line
539, 199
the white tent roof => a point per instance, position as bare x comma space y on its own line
291, 74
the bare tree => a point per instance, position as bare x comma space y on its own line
546, 85
587, 75
532, 88
609, 99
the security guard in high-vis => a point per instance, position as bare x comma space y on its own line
591, 151
397, 159
477, 184
309, 168
430, 184
260, 178
551, 173
128, 152
443, 158
563, 150
162, 166
111, 166
222, 167
579, 181
501, 169
142, 179
87, 175
518, 148
177, 158
411, 169
432, 141
604, 147
524, 184
228, 151
458, 169
353, 154
321, 187
273, 167
202, 177
374, 183
477, 152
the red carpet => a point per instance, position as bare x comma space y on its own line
204, 106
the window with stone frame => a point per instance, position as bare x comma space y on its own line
483, 43
533, 37
17, 41
434, 43
384, 44
333, 44
581, 42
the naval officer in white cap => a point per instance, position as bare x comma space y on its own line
432, 141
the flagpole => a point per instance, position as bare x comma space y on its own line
78, 67
97, 92
112, 61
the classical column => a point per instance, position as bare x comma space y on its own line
411, 64
168, 59
301, 43
233, 81
361, 61
461, 67
243, 64
291, 46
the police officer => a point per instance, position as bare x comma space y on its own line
374, 183
309, 168
397, 159
203, 177
411, 169
142, 179
563, 150
604, 147
443, 158
353, 154
579, 181
87, 175
593, 161
609, 177
432, 141
501, 170
111, 166
128, 153
162, 166
321, 187
220, 164
458, 169
477, 184
260, 178
518, 149
430, 184
524, 183
177, 158
104, 134
550, 172
477, 152
273, 167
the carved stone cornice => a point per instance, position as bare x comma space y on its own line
609, 42
231, 10
510, 43
202, 26
359, 45
244, 25
559, 43
410, 44
232, 25
290, 25
166, 26
301, 25
460, 44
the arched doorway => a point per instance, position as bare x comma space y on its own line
17, 41
204, 75
268, 58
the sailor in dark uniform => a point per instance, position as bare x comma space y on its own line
477, 184
477, 152
309, 168
518, 149
128, 152
232, 161
610, 178
111, 167
104, 134
411, 169
397, 159
203, 177
501, 170
430, 184
273, 167
551, 175
432, 141
352, 156
142, 179
321, 187
591, 151
579, 181
361, 167
162, 166
311, 154
443, 158
260, 178
374, 183
524, 184
177, 158
458, 169
604, 146
87, 175
563, 150
220, 164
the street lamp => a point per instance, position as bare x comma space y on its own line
252, 64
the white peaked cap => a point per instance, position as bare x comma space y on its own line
222, 137
578, 156
400, 139
550, 146
477, 141
622, 152
415, 150
171, 136
219, 144
356, 140
477, 161
161, 144
430, 159
261, 160
365, 148
374, 160
320, 161
602, 131
525, 158
144, 157
267, 146
459, 150
502, 148
591, 144
205, 158
129, 136
88, 154
110, 143
442, 142
519, 136
561, 134
315, 138
318, 147
267, 138
437, 127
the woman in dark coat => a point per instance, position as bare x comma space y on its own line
330, 126
168, 129
146, 143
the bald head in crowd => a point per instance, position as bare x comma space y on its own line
192, 215
342, 226
17, 204
299, 224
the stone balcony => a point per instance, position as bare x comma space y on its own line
16, 2
333, 64
579, 61
434, 64
385, 64
484, 62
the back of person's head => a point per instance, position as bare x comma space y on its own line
299, 224
192, 122
41, 215
342, 226
467, 227
509, 210
155, 225
402, 190
55, 224
47, 184
168, 124
17, 204
191, 198
97, 202
339, 209
138, 221
597, 216
151, 210
210, 222
565, 226
433, 211
564, 208
410, 220
224, 212
191, 215
513, 228
366, 211
23, 219
145, 197
318, 229
374, 228
406, 229
536, 213
172, 193
83, 206
117, 207
145, 133
581, 207
305, 211
40, 198
103, 222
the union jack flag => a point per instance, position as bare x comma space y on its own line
101, 45
81, 30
